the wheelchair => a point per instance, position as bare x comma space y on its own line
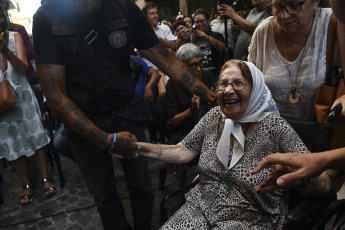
311, 213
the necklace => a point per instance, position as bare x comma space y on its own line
293, 96
226, 178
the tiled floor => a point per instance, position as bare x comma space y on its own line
71, 208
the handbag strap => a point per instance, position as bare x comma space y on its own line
331, 38
341, 41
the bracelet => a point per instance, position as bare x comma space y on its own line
160, 151
304, 185
113, 142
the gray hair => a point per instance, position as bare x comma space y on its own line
188, 51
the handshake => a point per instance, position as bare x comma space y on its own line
123, 145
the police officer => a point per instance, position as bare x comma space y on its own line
82, 50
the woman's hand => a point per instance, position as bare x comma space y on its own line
226, 11
303, 166
195, 103
202, 34
340, 100
270, 184
148, 94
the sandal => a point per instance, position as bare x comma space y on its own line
29, 196
51, 190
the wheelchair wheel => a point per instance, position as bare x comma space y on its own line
333, 218
340, 224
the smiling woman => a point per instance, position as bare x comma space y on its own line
211, 43
231, 139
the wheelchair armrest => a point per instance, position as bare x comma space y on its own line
310, 207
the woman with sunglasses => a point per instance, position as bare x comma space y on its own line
290, 49
230, 139
211, 43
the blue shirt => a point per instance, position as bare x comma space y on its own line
141, 84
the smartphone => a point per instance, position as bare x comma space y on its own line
190, 31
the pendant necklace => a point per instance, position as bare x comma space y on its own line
226, 178
293, 96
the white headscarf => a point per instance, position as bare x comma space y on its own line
260, 105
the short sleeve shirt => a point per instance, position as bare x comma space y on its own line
49, 51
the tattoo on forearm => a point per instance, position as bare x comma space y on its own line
98, 136
81, 123
200, 91
68, 108
51, 87
187, 80
43, 67
161, 50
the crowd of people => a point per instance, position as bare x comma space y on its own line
102, 65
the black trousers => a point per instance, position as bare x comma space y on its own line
97, 169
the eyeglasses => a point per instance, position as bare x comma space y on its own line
200, 21
292, 8
193, 66
237, 84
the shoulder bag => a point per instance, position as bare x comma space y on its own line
6, 96
6, 93
332, 89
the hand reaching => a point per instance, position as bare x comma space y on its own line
300, 167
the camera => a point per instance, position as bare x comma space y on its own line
232, 3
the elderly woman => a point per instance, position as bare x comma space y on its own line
211, 43
231, 139
185, 109
290, 50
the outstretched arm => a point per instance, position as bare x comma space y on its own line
168, 153
178, 71
306, 165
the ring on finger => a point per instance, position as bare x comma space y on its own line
140, 147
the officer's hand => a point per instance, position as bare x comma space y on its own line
125, 145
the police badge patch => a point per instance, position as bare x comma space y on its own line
118, 39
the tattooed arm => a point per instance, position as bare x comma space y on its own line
52, 80
178, 71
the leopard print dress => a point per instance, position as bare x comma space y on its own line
209, 204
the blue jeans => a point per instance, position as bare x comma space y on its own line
97, 169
